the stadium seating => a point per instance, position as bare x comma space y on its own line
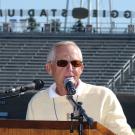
23, 55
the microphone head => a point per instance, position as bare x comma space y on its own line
69, 85
36, 85
69, 79
39, 84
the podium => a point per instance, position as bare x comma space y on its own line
30, 127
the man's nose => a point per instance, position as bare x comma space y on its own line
69, 66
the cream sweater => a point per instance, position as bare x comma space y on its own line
99, 103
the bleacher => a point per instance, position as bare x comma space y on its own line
22, 59
129, 84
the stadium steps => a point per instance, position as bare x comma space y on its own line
128, 85
23, 58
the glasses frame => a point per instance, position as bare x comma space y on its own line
74, 63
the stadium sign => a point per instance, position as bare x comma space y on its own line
63, 13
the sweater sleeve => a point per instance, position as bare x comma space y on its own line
113, 115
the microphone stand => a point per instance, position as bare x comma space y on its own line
11, 96
81, 116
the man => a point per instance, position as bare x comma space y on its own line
65, 61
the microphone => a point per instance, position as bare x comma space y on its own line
35, 85
68, 82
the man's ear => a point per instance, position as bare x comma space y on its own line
81, 69
48, 68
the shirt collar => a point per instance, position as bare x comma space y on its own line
53, 94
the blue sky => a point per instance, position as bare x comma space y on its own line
49, 4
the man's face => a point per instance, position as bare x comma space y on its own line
68, 53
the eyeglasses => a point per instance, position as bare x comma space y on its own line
64, 63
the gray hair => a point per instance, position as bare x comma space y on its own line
52, 53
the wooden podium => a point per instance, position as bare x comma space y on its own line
25, 127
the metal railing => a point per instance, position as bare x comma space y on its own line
22, 26
122, 74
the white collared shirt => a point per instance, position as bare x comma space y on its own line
53, 94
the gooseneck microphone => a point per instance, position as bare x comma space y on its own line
35, 85
69, 85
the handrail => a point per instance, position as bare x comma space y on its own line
105, 28
120, 75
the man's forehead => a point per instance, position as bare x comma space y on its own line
69, 51
67, 56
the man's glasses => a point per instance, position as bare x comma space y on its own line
64, 63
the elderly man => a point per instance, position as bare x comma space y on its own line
65, 61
